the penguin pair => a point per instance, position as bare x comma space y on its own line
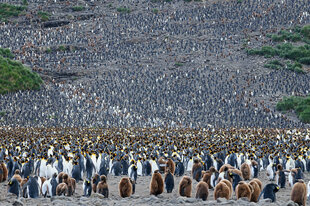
236, 178
49, 187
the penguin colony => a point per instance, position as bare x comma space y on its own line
25, 161
128, 78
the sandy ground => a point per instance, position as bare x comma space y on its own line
142, 197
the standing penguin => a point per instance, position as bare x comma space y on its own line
116, 168
102, 186
196, 170
133, 173
147, 168
179, 171
14, 187
3, 172
96, 180
90, 167
246, 171
185, 187
299, 193
76, 172
244, 190
125, 187
157, 184
169, 181
32, 188
280, 176
87, 188
254, 169
170, 165
269, 191
270, 171
235, 179
202, 190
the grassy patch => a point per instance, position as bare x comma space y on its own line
155, 11
301, 105
44, 16
8, 10
123, 10
14, 76
62, 48
6, 53
298, 54
78, 8
178, 64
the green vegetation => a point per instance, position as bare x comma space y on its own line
25, 2
2, 113
298, 54
48, 50
44, 16
6, 53
78, 8
155, 11
7, 11
62, 48
178, 64
301, 105
14, 76
123, 10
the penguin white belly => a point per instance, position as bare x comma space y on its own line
190, 165
215, 164
110, 166
270, 172
212, 182
261, 164
154, 166
277, 178
291, 179
139, 170
129, 169
46, 188
252, 171
221, 176
43, 168
226, 160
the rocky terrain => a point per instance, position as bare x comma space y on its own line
142, 197
151, 63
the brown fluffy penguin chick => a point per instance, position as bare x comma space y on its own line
24, 181
260, 184
102, 186
3, 172
95, 180
225, 167
70, 184
299, 193
185, 187
221, 190
246, 171
195, 170
202, 190
61, 189
73, 183
256, 191
60, 177
125, 187
229, 185
18, 177
170, 165
157, 184
162, 164
207, 178
243, 190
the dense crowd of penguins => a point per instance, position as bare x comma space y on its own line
50, 162
128, 65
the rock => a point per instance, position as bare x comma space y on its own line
243, 199
57, 23
291, 203
11, 196
190, 200
18, 203
97, 195
265, 200
219, 200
